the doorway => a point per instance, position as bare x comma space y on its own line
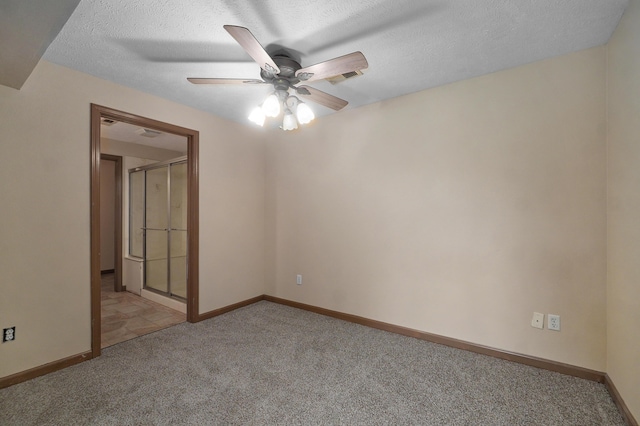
99, 113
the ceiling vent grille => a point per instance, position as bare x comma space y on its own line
148, 133
107, 121
342, 77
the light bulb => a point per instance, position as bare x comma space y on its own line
304, 113
289, 122
257, 116
271, 106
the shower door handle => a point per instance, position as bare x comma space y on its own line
155, 229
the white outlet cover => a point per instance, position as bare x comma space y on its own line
553, 322
538, 320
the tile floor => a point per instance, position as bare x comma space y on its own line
126, 315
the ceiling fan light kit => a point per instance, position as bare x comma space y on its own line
289, 121
284, 73
271, 105
295, 111
304, 113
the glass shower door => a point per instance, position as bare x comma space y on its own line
158, 225
178, 231
136, 213
156, 232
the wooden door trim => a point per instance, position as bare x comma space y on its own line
192, 136
117, 260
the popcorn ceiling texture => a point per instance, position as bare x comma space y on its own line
154, 45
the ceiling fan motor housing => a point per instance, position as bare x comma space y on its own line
287, 76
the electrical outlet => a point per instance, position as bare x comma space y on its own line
538, 320
299, 279
553, 322
8, 334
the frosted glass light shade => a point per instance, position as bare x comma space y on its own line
271, 106
289, 122
257, 116
304, 113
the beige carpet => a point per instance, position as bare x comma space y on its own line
270, 364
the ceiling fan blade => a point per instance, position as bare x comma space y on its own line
253, 47
344, 64
322, 98
225, 81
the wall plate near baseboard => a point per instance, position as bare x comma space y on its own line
8, 334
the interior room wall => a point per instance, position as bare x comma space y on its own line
107, 214
45, 187
623, 290
457, 211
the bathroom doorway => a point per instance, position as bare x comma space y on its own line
188, 234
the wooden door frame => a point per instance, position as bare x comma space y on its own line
192, 136
117, 260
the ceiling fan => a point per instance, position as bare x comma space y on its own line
284, 73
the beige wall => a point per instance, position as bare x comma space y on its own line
623, 291
457, 211
44, 249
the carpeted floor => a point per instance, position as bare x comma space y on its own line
270, 364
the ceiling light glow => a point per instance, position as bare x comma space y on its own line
257, 116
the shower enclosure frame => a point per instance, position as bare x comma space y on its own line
169, 230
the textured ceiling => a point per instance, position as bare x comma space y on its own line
411, 45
